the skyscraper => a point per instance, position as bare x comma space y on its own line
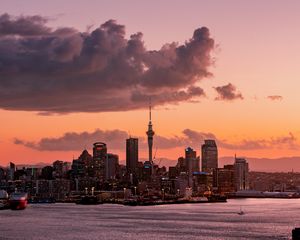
84, 165
132, 156
150, 134
241, 172
111, 166
11, 171
99, 158
209, 156
192, 162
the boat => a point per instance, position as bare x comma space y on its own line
18, 200
88, 200
241, 212
35, 200
4, 203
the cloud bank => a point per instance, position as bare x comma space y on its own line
275, 98
115, 139
228, 93
64, 70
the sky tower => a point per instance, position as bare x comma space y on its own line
150, 134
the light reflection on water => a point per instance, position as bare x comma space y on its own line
264, 219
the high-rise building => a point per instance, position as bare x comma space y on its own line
150, 134
47, 173
241, 170
58, 168
11, 171
99, 150
224, 179
209, 156
132, 156
2, 174
192, 162
83, 166
99, 158
111, 166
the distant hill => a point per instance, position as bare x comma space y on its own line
38, 165
283, 164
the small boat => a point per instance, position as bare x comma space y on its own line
241, 212
18, 200
88, 200
41, 200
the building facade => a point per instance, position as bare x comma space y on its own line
132, 156
241, 172
99, 158
209, 156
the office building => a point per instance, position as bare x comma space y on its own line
99, 158
241, 172
132, 156
224, 179
209, 156
111, 166
192, 162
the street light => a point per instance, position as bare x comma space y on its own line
135, 191
124, 192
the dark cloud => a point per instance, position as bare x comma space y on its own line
275, 97
282, 142
23, 25
227, 93
115, 140
72, 141
63, 70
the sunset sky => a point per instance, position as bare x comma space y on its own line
75, 72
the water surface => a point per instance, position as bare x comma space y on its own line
264, 219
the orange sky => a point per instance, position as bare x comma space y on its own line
258, 52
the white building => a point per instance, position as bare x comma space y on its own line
241, 171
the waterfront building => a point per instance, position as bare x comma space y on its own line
241, 170
209, 156
202, 182
224, 179
181, 184
132, 156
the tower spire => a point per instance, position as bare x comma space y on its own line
150, 133
150, 109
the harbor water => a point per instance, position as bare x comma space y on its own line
263, 219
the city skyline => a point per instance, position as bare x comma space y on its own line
245, 100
